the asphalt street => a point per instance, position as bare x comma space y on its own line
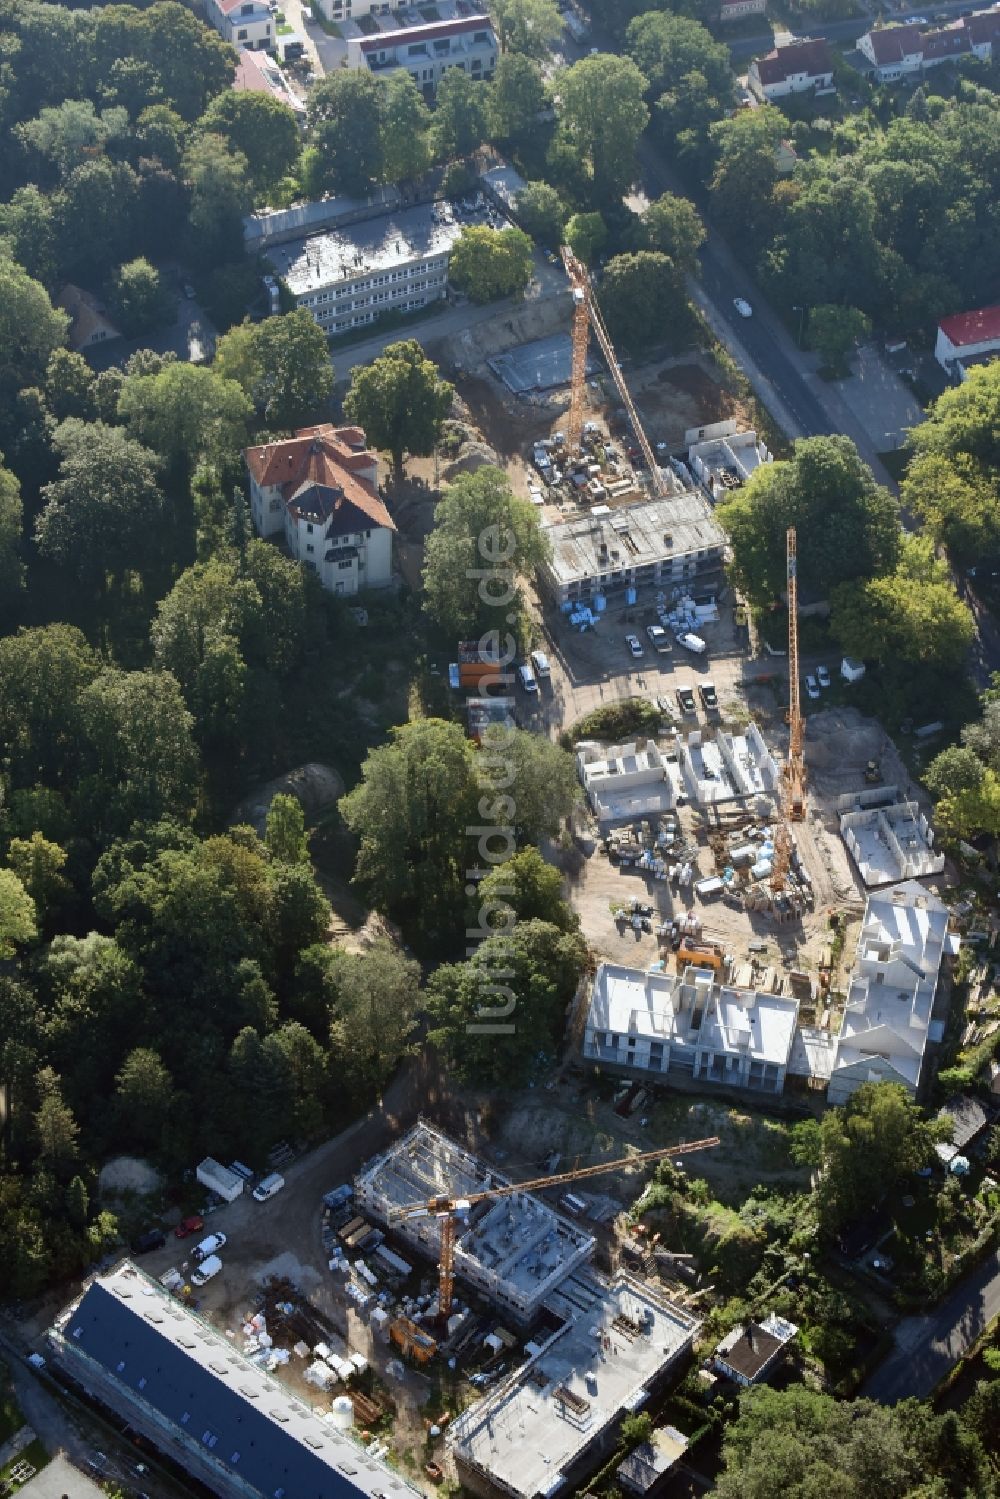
927, 1347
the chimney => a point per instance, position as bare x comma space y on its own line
750, 1338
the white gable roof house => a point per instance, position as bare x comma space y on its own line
884, 1030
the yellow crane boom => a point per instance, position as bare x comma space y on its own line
587, 315
446, 1206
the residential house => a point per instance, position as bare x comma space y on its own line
340, 11
244, 23
887, 1017
257, 73
968, 338
799, 67
320, 490
750, 1354
644, 1469
201, 1402
967, 1118
90, 323
427, 50
690, 1025
350, 275
900, 51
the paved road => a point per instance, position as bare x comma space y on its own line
927, 1347
842, 31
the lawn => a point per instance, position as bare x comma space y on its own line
30, 1461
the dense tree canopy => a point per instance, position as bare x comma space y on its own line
283, 365
603, 114
490, 263
847, 525
400, 400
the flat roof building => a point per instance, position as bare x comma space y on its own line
349, 275
516, 1250
426, 44
724, 458
185, 1387
538, 1434
657, 542
884, 1029
691, 1025
889, 840
626, 781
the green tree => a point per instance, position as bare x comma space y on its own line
954, 771
405, 129
96, 215
400, 400
139, 755
484, 539
68, 133
490, 263
285, 831
879, 1136
56, 1129
69, 386
532, 781
38, 864
258, 127
374, 998
526, 888
410, 812
528, 27
642, 298
666, 47
493, 1016
459, 126
963, 421
31, 329
43, 673
190, 60
806, 1144
834, 332
77, 1203
27, 223
283, 365
673, 227
139, 298
847, 524
912, 616
11, 522
161, 135
746, 171
586, 235
603, 113
17, 914
637, 1429
345, 131
144, 1096
516, 97
542, 213
957, 503
102, 515
184, 413
219, 182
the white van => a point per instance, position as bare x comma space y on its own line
268, 1187
540, 662
526, 677
692, 642
206, 1271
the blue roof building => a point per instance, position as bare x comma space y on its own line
231, 1424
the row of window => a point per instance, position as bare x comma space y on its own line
351, 289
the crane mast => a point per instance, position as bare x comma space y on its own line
793, 772
445, 1207
587, 316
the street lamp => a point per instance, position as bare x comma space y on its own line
802, 318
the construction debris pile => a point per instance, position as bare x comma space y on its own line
659, 850
744, 855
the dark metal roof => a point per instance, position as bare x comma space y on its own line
247, 1431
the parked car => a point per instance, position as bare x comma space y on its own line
823, 676
208, 1247
153, 1238
188, 1226
659, 639
634, 644
686, 699
692, 642
812, 687
206, 1271
526, 677
709, 696
269, 1187
743, 307
540, 662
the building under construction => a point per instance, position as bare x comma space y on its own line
516, 1250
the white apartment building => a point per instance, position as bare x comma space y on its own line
690, 1025
349, 276
802, 66
320, 489
968, 338
898, 51
884, 1030
244, 23
426, 50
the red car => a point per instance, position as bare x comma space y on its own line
189, 1226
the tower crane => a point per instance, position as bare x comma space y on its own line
447, 1208
793, 771
587, 315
